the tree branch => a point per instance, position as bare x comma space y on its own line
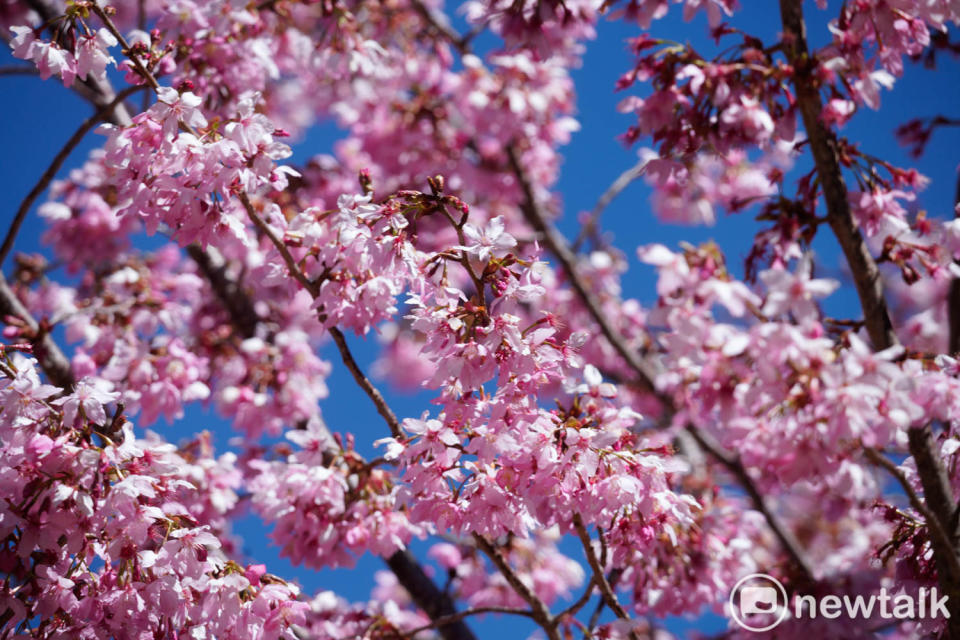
48, 354
539, 611
364, 383
435, 603
409, 573
823, 145
230, 294
444, 620
953, 299
866, 276
786, 538
98, 93
933, 521
598, 576
558, 247
18, 70
592, 224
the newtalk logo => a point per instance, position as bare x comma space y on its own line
759, 602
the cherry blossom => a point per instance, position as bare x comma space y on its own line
566, 448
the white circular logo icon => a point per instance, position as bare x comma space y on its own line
757, 599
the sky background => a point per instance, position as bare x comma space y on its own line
37, 117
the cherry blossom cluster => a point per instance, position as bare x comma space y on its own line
104, 539
577, 445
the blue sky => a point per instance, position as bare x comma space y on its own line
37, 117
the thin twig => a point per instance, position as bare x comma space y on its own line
589, 228
558, 247
933, 522
97, 92
362, 380
281, 248
460, 615
580, 602
787, 540
18, 70
112, 28
460, 43
54, 167
364, 383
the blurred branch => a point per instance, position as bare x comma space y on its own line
48, 354
591, 227
933, 522
18, 70
444, 620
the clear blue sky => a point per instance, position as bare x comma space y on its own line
37, 117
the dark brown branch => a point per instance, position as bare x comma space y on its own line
242, 314
461, 44
824, 147
953, 300
48, 354
786, 538
939, 498
18, 70
933, 522
436, 604
54, 167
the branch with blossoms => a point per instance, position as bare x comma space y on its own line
525, 443
407, 569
